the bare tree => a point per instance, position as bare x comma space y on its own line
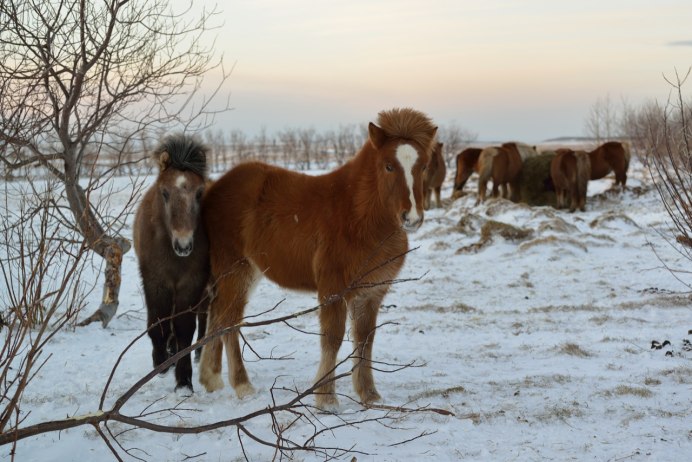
670, 162
40, 267
290, 143
602, 123
80, 79
455, 138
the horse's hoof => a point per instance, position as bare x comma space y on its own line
184, 389
370, 397
212, 383
243, 390
327, 403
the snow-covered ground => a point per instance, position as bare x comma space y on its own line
537, 348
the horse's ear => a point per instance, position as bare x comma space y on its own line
377, 135
164, 160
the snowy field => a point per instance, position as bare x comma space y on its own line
537, 348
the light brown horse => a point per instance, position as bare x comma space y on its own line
172, 251
570, 172
503, 166
612, 156
342, 234
434, 176
466, 163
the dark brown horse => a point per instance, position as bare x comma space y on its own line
172, 250
570, 172
466, 163
434, 176
612, 156
342, 234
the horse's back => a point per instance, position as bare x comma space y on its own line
264, 214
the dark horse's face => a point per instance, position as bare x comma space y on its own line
181, 192
401, 169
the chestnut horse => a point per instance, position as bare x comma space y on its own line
570, 172
341, 234
467, 163
172, 251
434, 176
612, 156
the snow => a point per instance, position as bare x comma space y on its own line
538, 349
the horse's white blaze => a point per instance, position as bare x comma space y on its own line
180, 181
407, 156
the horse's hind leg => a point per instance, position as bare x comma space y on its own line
364, 319
226, 310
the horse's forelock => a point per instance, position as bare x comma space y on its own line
183, 153
409, 125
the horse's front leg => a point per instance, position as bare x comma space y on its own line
364, 320
159, 302
332, 328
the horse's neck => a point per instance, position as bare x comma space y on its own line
368, 213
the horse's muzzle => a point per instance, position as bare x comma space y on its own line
182, 249
411, 223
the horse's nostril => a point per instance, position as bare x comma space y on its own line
404, 217
182, 250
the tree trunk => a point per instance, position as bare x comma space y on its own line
110, 248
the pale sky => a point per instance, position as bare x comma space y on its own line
521, 70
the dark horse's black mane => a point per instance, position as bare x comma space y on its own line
185, 153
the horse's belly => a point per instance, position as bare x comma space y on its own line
287, 271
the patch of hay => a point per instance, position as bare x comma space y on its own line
509, 232
536, 185
572, 349
610, 217
492, 229
557, 225
470, 224
553, 240
498, 205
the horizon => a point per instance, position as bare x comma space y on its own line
502, 70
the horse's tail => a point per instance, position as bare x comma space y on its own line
583, 172
627, 148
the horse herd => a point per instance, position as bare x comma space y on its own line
570, 170
203, 246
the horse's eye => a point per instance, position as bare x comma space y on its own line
425, 167
389, 167
198, 196
166, 195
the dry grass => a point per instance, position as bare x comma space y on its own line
627, 390
572, 349
444, 392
